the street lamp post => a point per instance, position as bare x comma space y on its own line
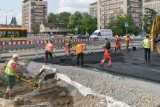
76, 30
6, 13
86, 31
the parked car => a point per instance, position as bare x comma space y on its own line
142, 35
82, 36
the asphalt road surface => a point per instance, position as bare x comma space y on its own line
129, 63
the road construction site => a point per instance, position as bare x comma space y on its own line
129, 82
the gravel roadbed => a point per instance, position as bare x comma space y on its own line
134, 92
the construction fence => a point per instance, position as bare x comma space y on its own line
16, 45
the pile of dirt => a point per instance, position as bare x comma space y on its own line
57, 97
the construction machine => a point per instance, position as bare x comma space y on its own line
154, 35
45, 79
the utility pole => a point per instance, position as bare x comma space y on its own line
104, 21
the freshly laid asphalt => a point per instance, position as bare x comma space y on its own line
132, 64
129, 63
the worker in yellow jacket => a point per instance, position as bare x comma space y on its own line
11, 72
79, 53
48, 51
147, 45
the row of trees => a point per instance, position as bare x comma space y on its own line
78, 23
117, 25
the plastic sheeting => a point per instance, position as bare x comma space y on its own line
87, 91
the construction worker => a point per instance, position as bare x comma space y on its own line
68, 46
118, 44
48, 51
146, 45
107, 53
79, 53
127, 41
11, 71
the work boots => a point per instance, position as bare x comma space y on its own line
109, 64
6, 96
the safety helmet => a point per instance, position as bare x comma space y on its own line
15, 56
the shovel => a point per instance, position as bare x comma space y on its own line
73, 58
61, 60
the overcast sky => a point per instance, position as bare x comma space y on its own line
54, 6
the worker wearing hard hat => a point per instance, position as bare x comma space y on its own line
11, 71
118, 44
48, 51
107, 53
127, 41
146, 45
79, 53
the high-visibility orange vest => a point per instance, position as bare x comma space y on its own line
118, 40
49, 47
79, 49
127, 38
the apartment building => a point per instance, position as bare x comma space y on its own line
151, 4
34, 12
93, 9
108, 9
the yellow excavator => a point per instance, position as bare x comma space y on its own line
154, 35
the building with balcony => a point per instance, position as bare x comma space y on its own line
151, 4
108, 9
93, 9
52, 28
34, 12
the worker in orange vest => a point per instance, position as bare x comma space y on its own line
68, 46
48, 51
107, 53
118, 44
79, 53
127, 41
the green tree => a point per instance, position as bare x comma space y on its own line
75, 22
53, 18
148, 19
78, 23
117, 24
64, 17
89, 24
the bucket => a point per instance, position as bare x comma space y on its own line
133, 48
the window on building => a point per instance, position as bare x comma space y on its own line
134, 10
121, 10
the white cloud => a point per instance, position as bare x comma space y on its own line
74, 5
